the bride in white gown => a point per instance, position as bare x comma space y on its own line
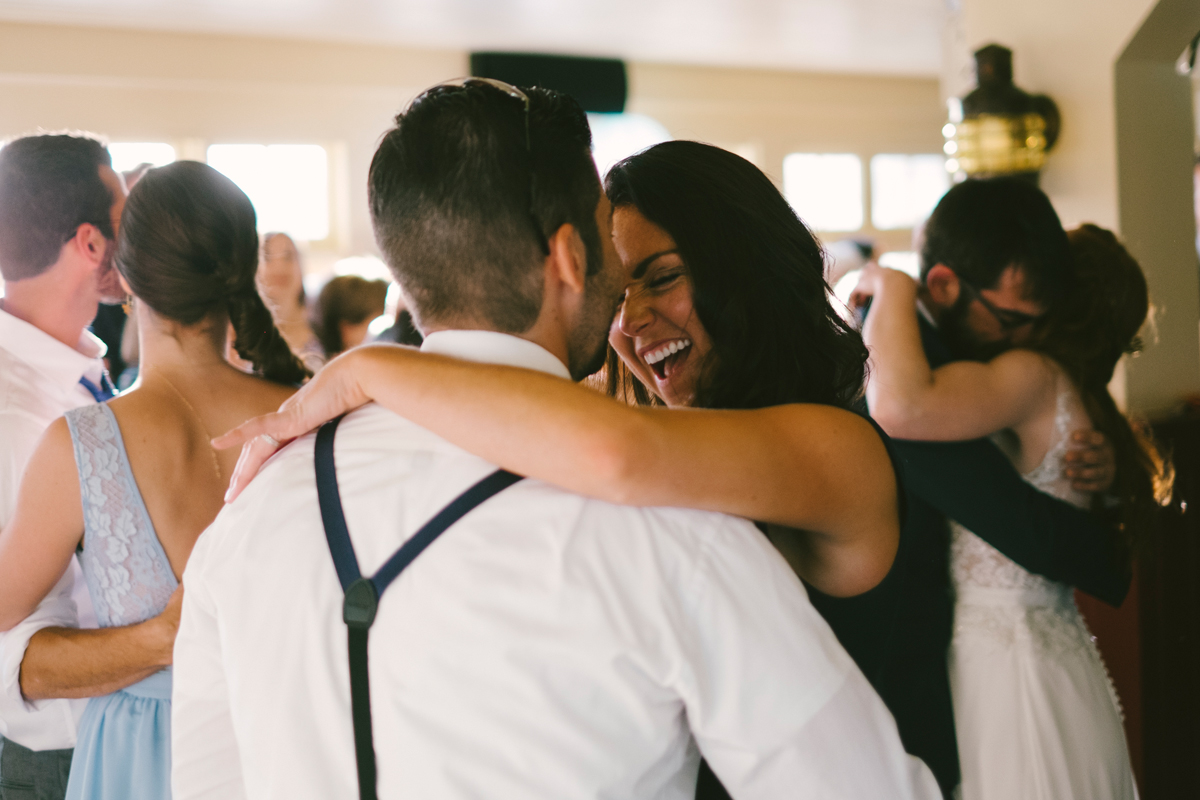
1037, 717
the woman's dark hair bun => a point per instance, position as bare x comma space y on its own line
188, 246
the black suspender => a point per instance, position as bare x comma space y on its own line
362, 594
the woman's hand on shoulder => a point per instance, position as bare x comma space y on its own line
333, 391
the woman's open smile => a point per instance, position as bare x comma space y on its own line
657, 332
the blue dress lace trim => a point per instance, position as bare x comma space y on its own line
123, 749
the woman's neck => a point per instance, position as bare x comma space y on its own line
170, 347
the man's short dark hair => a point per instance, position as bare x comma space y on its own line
49, 185
981, 227
450, 196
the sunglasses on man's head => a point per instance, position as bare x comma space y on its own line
513, 91
1009, 319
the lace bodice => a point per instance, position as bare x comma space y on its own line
128, 575
974, 562
1003, 605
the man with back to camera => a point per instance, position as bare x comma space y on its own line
546, 645
60, 204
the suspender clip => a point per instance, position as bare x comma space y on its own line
362, 600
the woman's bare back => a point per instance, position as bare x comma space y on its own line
167, 421
1028, 442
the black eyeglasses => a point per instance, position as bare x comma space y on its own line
1009, 319
513, 91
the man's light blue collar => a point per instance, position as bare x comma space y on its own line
490, 347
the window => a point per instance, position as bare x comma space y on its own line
618, 136
905, 188
825, 189
903, 260
288, 184
130, 155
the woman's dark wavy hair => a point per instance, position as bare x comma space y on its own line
1087, 333
188, 247
758, 281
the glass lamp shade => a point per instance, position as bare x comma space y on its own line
996, 144
1003, 130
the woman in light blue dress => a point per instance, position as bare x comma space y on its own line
149, 481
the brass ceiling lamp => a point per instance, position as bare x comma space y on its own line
998, 129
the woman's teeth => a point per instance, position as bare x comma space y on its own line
667, 349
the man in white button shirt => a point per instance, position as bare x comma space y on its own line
60, 202
547, 645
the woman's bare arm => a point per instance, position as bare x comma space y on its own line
812, 467
37, 545
961, 400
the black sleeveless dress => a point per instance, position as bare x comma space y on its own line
898, 634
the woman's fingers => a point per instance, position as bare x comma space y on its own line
255, 453
1091, 464
332, 392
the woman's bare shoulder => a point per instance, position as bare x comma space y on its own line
1038, 366
265, 396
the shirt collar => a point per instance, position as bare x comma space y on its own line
62, 364
490, 347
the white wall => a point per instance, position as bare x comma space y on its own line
1066, 49
197, 89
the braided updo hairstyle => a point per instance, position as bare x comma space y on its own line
188, 246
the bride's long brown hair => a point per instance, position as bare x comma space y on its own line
1093, 327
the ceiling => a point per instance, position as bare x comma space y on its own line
891, 37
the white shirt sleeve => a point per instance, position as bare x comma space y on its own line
776, 705
204, 753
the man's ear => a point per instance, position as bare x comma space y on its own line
568, 258
90, 244
943, 285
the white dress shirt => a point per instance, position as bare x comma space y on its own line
546, 646
39, 382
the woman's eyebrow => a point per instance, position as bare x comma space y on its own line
645, 263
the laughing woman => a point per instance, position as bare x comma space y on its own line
725, 314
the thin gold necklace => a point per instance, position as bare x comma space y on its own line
199, 419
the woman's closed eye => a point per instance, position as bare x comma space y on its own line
664, 280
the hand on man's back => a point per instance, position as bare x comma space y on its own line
1091, 462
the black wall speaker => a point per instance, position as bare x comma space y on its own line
597, 84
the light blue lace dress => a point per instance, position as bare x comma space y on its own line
123, 750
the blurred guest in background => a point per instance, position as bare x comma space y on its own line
281, 284
346, 306
148, 480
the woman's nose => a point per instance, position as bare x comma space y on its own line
634, 316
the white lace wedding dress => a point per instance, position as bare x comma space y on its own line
1036, 714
